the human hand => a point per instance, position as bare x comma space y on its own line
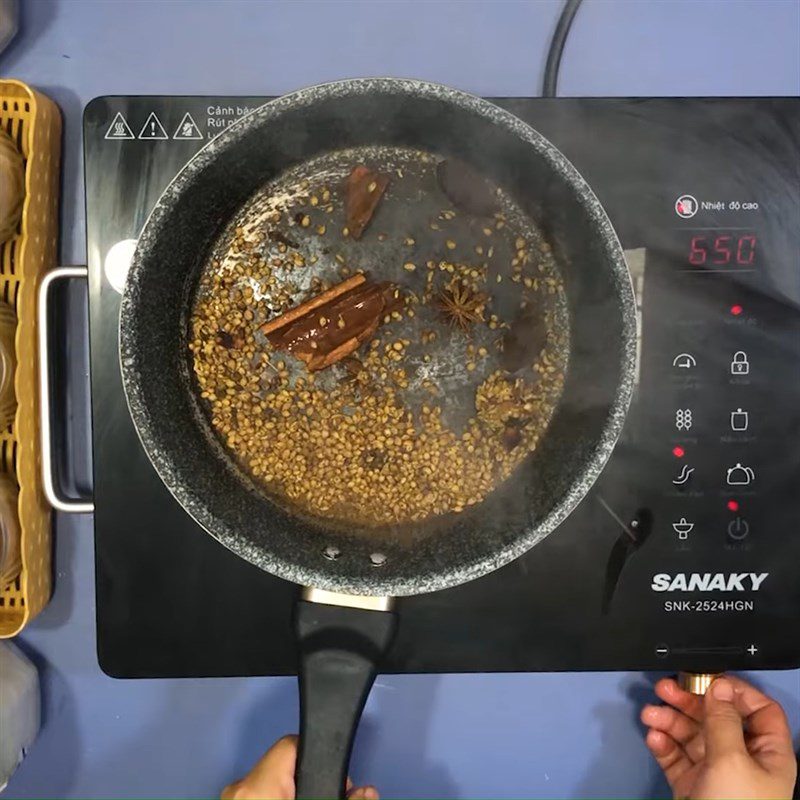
272, 778
733, 743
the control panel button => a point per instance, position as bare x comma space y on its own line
740, 420
740, 475
683, 528
740, 364
683, 419
684, 476
738, 529
684, 361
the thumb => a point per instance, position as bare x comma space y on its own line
724, 731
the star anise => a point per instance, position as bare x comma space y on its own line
461, 304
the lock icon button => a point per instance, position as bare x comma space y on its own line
740, 365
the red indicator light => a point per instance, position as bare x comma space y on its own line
678, 452
733, 505
736, 310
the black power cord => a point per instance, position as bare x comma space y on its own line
550, 82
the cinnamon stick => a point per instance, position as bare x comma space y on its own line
318, 362
365, 187
315, 302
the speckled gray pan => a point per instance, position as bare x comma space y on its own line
214, 185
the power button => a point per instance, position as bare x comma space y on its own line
738, 529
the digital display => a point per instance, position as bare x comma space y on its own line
715, 249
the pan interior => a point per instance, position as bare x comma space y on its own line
433, 412
185, 227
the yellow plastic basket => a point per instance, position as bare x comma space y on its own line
34, 123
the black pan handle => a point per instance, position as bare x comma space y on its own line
340, 649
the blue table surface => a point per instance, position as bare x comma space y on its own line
526, 735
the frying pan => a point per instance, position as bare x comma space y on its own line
344, 622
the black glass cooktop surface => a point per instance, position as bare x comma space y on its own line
685, 554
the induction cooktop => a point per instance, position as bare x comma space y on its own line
686, 552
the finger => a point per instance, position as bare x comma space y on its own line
274, 771
667, 689
231, 791
681, 728
669, 755
664, 718
364, 793
763, 716
723, 725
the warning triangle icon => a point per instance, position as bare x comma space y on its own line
152, 128
187, 129
119, 128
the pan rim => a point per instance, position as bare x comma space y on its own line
584, 478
